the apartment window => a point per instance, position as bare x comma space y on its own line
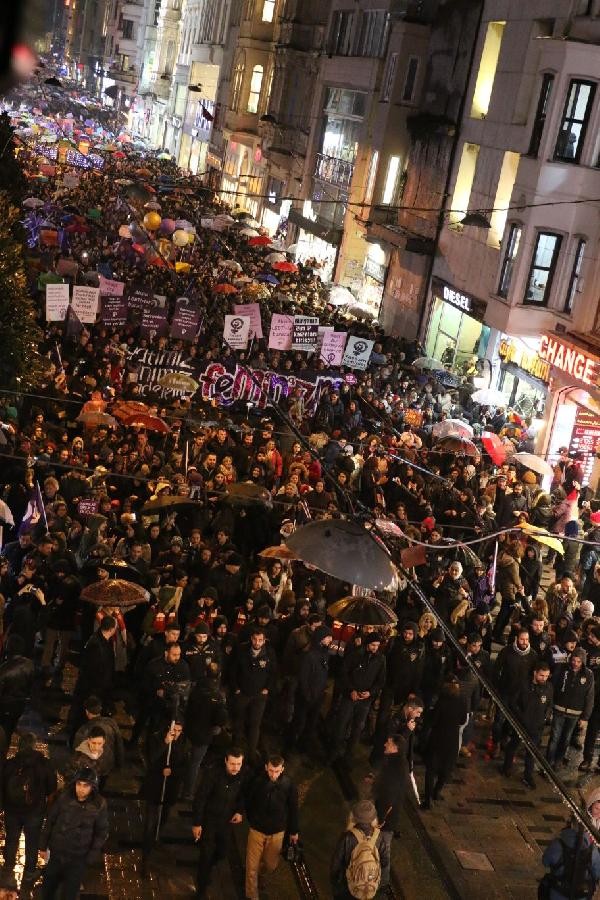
464, 182
571, 134
371, 175
541, 113
372, 34
506, 183
255, 86
389, 77
340, 41
487, 69
268, 10
127, 29
391, 181
575, 279
508, 262
236, 84
543, 266
411, 79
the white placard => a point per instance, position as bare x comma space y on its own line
85, 303
357, 353
57, 302
237, 332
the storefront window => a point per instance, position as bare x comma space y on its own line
454, 337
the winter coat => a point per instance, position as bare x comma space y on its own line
272, 806
16, 679
251, 674
532, 704
553, 855
508, 578
113, 744
393, 788
404, 667
44, 778
573, 691
448, 716
313, 674
97, 666
219, 797
513, 667
82, 759
363, 671
73, 829
156, 761
205, 712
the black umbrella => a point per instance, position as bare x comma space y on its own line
248, 494
166, 502
362, 611
112, 91
116, 568
465, 556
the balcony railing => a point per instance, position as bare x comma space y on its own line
333, 170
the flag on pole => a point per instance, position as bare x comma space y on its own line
35, 511
73, 324
492, 572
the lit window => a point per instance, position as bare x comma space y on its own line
508, 262
464, 182
255, 86
573, 127
575, 279
506, 182
543, 266
268, 12
391, 180
487, 69
371, 175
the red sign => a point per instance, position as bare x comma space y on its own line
569, 359
585, 438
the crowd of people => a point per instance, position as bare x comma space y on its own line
232, 663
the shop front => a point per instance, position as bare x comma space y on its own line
573, 416
524, 376
315, 240
456, 334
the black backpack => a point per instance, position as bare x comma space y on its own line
22, 789
576, 879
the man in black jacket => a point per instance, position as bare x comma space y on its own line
96, 672
272, 811
218, 804
592, 649
28, 780
404, 672
513, 667
74, 832
531, 706
253, 675
312, 683
573, 702
392, 789
361, 681
16, 678
168, 682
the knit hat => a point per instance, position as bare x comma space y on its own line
372, 638
364, 812
586, 608
87, 775
569, 636
264, 612
481, 608
210, 593
436, 634
220, 620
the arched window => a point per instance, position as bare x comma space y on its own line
255, 87
236, 83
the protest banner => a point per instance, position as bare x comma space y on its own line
280, 336
252, 310
85, 303
114, 311
306, 333
186, 319
357, 353
110, 288
332, 350
154, 322
237, 332
57, 302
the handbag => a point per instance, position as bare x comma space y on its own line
292, 853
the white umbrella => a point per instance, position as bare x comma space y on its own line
428, 362
533, 462
223, 217
275, 257
33, 203
249, 223
340, 296
278, 246
489, 397
452, 426
183, 224
249, 232
152, 204
230, 264
293, 248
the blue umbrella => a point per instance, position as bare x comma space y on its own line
270, 279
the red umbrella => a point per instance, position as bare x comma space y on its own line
125, 409
150, 423
494, 447
285, 266
225, 289
455, 444
262, 240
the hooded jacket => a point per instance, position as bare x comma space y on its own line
75, 829
574, 691
314, 670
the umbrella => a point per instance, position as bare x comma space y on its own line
428, 362
231, 264
542, 537
246, 493
489, 397
533, 462
275, 257
340, 296
269, 279
464, 555
285, 266
116, 567
344, 550
152, 204
281, 551
91, 418
179, 381
114, 592
362, 611
452, 427
124, 409
150, 423
247, 232
494, 447
454, 444
262, 240
33, 203
225, 288
389, 528
167, 501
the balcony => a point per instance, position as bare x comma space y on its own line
122, 76
333, 170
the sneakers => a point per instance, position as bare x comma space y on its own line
529, 782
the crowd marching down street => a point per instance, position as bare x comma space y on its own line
187, 492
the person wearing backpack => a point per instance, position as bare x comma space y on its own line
28, 780
360, 856
574, 863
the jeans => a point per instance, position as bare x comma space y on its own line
385, 870
351, 719
152, 811
197, 757
29, 823
213, 847
54, 637
67, 873
560, 736
511, 749
248, 714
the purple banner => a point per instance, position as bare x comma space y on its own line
185, 320
154, 322
114, 311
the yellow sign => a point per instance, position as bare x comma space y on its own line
521, 357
